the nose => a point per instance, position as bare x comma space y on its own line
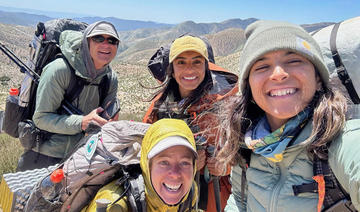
174, 171
279, 73
189, 67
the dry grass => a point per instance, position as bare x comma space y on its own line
10, 150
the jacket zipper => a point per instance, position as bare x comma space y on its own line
277, 187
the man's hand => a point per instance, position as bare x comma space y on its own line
93, 117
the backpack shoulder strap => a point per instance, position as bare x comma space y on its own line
187, 204
76, 84
136, 194
134, 187
332, 196
104, 87
340, 67
244, 163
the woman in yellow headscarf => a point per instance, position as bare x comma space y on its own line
168, 156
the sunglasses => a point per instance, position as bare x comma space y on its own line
100, 39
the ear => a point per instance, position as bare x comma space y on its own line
318, 83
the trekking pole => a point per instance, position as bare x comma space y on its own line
70, 109
200, 144
67, 106
215, 180
23, 67
197, 180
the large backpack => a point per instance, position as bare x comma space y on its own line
112, 153
44, 48
340, 46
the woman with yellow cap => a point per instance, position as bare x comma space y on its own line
168, 161
190, 90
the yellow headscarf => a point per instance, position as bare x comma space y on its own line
157, 132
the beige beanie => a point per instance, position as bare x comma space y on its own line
266, 36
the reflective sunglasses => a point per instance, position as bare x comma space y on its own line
100, 39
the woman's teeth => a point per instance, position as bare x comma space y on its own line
189, 78
282, 92
172, 187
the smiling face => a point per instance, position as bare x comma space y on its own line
189, 71
172, 173
102, 53
282, 84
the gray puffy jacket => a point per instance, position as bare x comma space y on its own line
270, 184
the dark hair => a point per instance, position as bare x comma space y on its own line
170, 85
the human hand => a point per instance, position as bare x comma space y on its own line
200, 163
94, 118
215, 167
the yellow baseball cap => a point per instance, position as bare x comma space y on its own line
187, 43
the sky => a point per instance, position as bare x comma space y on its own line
202, 11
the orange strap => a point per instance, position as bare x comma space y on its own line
193, 115
321, 190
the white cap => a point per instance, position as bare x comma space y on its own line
170, 142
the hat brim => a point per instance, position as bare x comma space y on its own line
189, 50
168, 142
102, 33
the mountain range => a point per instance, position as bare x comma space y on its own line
140, 39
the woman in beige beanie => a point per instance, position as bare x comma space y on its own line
287, 122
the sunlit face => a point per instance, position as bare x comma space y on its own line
189, 71
102, 53
282, 84
172, 173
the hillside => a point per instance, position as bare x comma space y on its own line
144, 41
16, 38
227, 41
131, 70
139, 39
136, 47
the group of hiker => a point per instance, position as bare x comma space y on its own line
218, 140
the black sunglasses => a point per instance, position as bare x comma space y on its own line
100, 39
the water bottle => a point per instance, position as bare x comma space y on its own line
14, 91
13, 96
51, 185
